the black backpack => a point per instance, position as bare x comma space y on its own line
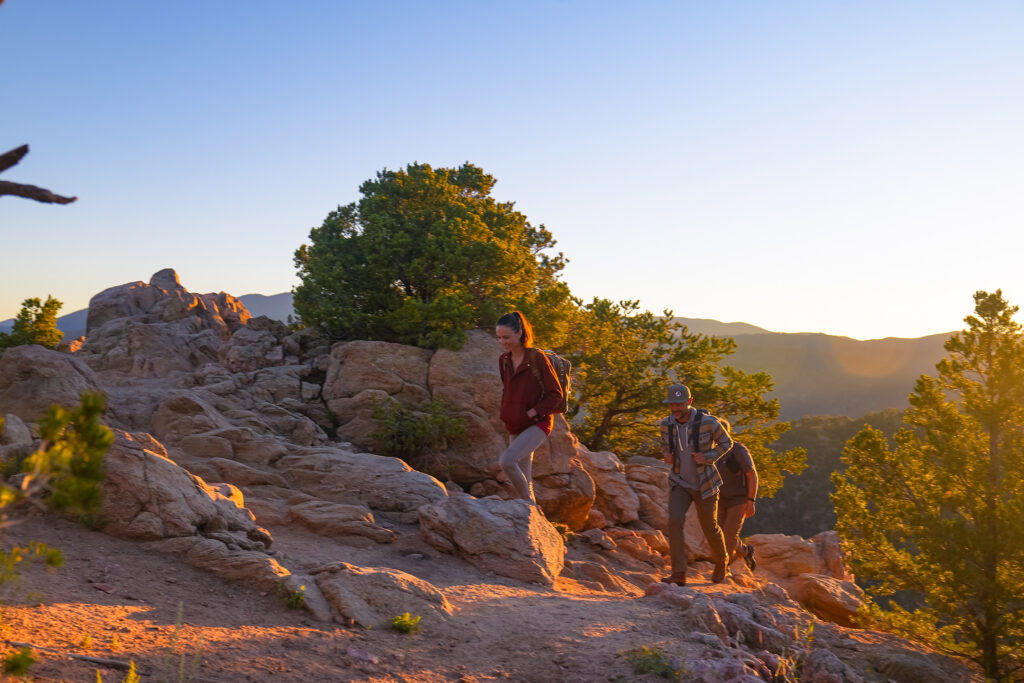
563, 372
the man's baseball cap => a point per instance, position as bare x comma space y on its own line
678, 393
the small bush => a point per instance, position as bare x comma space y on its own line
406, 623
406, 433
86, 642
651, 660
294, 599
18, 663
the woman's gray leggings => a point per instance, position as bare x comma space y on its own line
517, 461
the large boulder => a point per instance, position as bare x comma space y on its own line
648, 477
32, 378
828, 598
508, 537
338, 520
148, 497
384, 484
373, 596
789, 556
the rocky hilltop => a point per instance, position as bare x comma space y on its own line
244, 450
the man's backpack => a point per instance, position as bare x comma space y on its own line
695, 429
563, 372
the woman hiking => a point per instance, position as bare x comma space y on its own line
530, 394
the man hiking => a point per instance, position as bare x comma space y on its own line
691, 441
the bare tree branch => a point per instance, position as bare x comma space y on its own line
32, 192
8, 159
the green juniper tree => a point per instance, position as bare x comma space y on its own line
940, 515
425, 255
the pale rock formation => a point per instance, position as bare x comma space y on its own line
158, 329
828, 598
789, 556
508, 537
32, 378
14, 433
648, 477
339, 521
615, 499
147, 497
384, 484
251, 567
373, 596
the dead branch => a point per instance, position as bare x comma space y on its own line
8, 159
32, 192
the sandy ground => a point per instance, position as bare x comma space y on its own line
115, 599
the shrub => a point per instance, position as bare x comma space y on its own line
406, 433
406, 623
651, 660
18, 663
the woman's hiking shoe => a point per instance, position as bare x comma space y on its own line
748, 557
677, 579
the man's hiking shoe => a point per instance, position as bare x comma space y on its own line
677, 579
721, 571
748, 557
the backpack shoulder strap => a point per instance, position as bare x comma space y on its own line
534, 369
695, 430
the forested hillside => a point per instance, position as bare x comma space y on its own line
803, 506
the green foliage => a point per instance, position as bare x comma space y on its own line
651, 660
406, 623
86, 641
12, 560
626, 359
294, 599
424, 256
939, 514
406, 433
804, 505
36, 323
70, 461
18, 663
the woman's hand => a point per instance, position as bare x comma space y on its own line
531, 413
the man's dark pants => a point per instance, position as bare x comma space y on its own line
679, 499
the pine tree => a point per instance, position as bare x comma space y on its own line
942, 515
36, 323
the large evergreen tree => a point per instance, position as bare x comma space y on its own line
627, 357
942, 515
425, 255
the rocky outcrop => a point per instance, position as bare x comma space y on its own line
387, 485
508, 537
147, 497
373, 596
32, 378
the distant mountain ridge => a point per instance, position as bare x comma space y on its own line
814, 373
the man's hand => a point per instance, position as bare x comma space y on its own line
699, 458
667, 457
748, 509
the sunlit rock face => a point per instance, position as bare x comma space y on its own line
508, 537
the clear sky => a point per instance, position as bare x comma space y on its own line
850, 168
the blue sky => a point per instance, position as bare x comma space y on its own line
850, 168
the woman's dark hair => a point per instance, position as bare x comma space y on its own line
517, 322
